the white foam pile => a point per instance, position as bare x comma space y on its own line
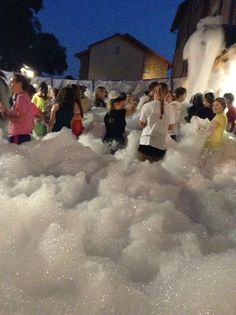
83, 232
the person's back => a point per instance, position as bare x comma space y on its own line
63, 119
197, 104
156, 129
206, 110
115, 125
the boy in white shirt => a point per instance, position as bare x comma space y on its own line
148, 96
178, 106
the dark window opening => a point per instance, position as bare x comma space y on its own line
117, 50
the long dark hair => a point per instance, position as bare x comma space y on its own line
163, 90
77, 97
209, 97
25, 82
65, 98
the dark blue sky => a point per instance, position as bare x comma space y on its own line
78, 23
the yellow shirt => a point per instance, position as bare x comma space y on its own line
39, 102
214, 141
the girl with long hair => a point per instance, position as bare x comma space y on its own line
63, 112
20, 114
156, 119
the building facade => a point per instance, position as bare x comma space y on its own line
121, 57
186, 19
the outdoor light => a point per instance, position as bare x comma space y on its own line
25, 70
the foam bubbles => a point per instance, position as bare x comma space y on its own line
85, 232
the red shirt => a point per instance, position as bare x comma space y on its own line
231, 115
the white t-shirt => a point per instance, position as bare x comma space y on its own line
143, 99
156, 129
177, 107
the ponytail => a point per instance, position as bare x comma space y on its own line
162, 91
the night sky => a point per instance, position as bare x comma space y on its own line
78, 23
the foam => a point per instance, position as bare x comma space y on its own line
85, 232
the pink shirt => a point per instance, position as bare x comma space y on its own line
25, 126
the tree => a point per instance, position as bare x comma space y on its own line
22, 41
47, 55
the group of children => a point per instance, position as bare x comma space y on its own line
34, 113
161, 114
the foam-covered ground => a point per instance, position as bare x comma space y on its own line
83, 232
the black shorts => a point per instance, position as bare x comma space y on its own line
151, 151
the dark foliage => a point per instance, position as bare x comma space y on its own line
22, 41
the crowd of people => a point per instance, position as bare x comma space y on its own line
161, 112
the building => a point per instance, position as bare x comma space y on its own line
121, 57
186, 19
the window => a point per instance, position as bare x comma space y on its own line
117, 50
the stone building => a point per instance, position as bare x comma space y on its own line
121, 57
186, 19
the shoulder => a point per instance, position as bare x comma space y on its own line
221, 118
55, 108
23, 98
151, 104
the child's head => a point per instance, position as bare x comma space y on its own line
208, 99
219, 105
152, 87
19, 83
169, 97
229, 97
119, 102
161, 92
43, 89
180, 94
101, 92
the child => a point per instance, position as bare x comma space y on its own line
115, 123
231, 113
178, 106
77, 123
217, 126
156, 119
206, 111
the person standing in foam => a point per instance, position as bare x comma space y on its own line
156, 119
63, 111
148, 96
115, 122
178, 107
231, 113
20, 115
218, 125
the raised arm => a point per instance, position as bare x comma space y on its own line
52, 119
